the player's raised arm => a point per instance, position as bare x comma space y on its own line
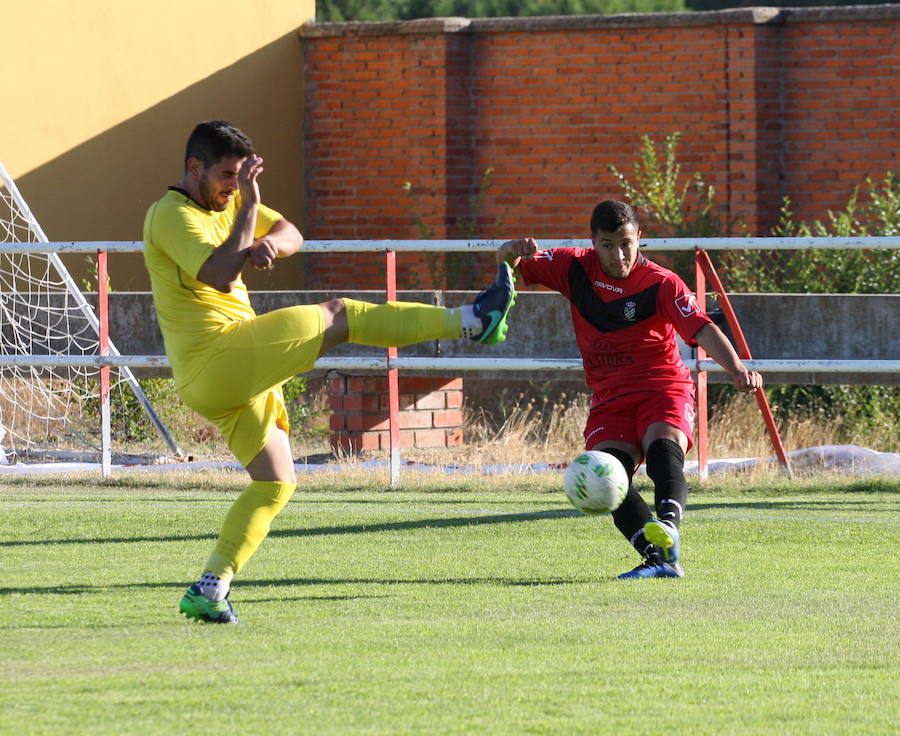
513, 251
714, 342
282, 240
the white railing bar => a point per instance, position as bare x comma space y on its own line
464, 364
381, 246
778, 365
654, 244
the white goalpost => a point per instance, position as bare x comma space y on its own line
49, 406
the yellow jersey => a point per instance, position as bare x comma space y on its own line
179, 235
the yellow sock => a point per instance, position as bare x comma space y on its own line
246, 525
400, 323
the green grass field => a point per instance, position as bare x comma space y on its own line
460, 605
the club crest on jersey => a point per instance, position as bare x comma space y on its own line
687, 305
630, 311
544, 254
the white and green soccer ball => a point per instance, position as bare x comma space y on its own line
595, 482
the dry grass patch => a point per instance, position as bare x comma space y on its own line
551, 432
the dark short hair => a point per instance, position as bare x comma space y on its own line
610, 215
212, 140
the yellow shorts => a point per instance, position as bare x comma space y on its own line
239, 387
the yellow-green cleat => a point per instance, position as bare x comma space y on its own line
665, 538
493, 304
198, 607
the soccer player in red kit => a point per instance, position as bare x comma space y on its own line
626, 311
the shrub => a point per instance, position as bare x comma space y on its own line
827, 271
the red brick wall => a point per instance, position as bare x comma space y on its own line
431, 412
841, 123
768, 103
376, 115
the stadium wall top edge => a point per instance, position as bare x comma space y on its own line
759, 15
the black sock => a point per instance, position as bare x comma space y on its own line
631, 516
665, 466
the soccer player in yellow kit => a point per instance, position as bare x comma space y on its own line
229, 364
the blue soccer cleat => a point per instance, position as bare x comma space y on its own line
665, 538
492, 306
653, 569
197, 606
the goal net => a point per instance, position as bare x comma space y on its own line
50, 401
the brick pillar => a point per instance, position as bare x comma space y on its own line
755, 163
430, 412
383, 107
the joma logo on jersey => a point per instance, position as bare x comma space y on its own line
687, 305
610, 287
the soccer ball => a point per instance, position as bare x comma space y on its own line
595, 482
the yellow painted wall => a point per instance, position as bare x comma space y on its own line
97, 98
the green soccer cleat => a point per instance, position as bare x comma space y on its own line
198, 607
492, 306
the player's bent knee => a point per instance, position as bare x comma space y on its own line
274, 462
336, 326
333, 307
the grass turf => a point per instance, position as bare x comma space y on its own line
460, 606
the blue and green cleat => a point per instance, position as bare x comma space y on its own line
198, 607
493, 304
665, 538
653, 569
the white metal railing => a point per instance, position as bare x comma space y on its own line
408, 246
461, 363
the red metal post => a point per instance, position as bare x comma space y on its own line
743, 351
393, 379
702, 382
103, 317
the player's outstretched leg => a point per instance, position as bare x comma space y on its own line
632, 518
665, 466
396, 324
246, 524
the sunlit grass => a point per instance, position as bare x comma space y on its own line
460, 604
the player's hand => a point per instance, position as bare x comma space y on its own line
247, 184
747, 382
263, 253
513, 251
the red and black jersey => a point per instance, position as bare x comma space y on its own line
625, 328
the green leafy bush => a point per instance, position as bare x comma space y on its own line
868, 409
827, 271
304, 413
